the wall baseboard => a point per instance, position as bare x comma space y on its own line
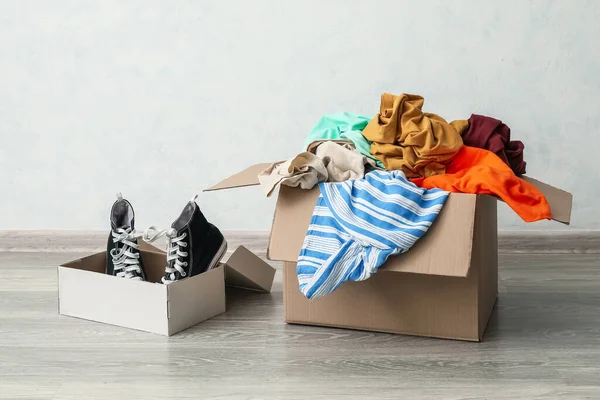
560, 242
95, 241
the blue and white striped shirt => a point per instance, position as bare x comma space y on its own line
356, 225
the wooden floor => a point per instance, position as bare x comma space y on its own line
543, 342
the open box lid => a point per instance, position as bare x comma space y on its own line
247, 177
559, 200
243, 269
437, 253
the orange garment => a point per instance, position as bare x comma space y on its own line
406, 138
480, 171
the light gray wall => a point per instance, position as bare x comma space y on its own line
159, 99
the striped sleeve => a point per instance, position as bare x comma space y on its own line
356, 225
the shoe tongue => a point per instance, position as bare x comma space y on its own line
121, 215
177, 225
124, 227
116, 225
185, 217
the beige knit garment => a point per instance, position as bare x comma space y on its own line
332, 161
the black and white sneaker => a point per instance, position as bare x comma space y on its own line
122, 251
195, 245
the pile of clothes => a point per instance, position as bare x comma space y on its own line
384, 180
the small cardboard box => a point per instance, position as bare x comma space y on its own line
445, 286
85, 291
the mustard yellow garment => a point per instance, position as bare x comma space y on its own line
406, 138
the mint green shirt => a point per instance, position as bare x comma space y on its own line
343, 125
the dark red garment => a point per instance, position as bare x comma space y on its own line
491, 134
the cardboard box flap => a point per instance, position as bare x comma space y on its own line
444, 250
559, 200
243, 268
93, 263
247, 177
246, 270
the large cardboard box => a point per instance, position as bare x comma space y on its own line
85, 291
445, 286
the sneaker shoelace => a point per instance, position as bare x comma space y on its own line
175, 253
126, 259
